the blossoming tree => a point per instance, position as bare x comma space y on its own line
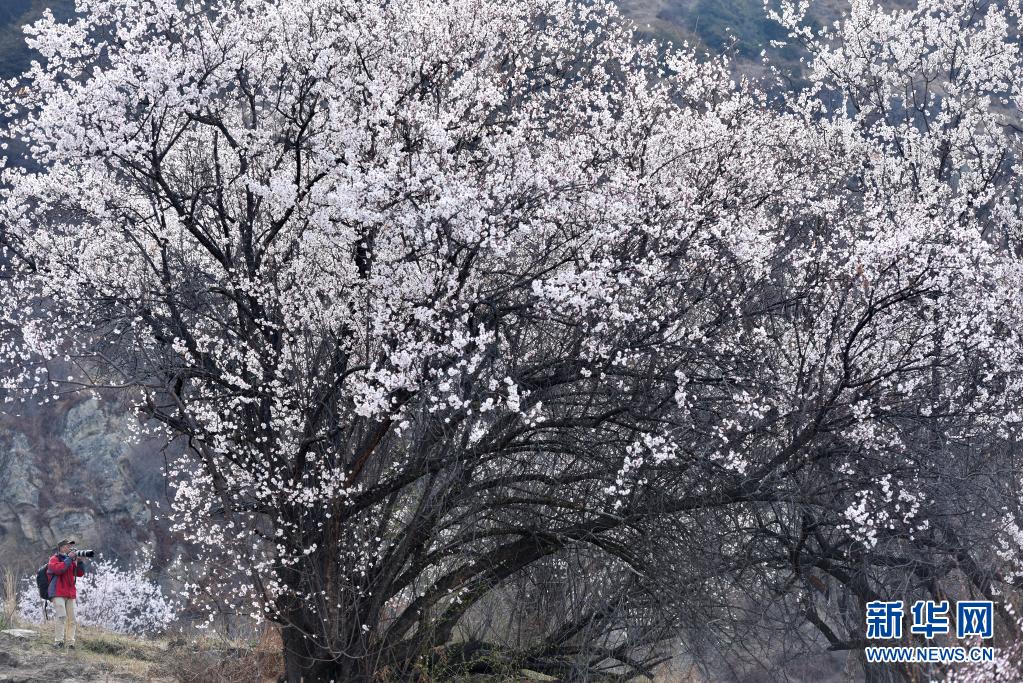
439, 298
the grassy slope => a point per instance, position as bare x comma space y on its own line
112, 658
99, 656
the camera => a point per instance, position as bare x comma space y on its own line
87, 552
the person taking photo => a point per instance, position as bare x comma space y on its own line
64, 569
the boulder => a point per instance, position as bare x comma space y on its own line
19, 633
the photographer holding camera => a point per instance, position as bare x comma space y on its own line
63, 570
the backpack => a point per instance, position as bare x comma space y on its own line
43, 582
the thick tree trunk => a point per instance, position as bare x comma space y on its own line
307, 662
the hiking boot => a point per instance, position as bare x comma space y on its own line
58, 646
69, 646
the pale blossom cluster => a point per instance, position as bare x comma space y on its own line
122, 600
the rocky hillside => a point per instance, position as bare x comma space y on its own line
67, 468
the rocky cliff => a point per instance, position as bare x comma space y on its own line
70, 468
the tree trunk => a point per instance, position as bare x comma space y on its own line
307, 662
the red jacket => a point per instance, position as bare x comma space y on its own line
63, 572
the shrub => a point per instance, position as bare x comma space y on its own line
210, 661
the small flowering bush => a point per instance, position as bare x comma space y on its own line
121, 600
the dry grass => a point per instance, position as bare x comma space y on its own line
127, 654
9, 596
100, 655
158, 660
217, 661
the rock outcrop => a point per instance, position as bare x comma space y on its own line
71, 467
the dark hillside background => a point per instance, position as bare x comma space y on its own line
14, 54
713, 25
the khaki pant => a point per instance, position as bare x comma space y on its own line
65, 609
